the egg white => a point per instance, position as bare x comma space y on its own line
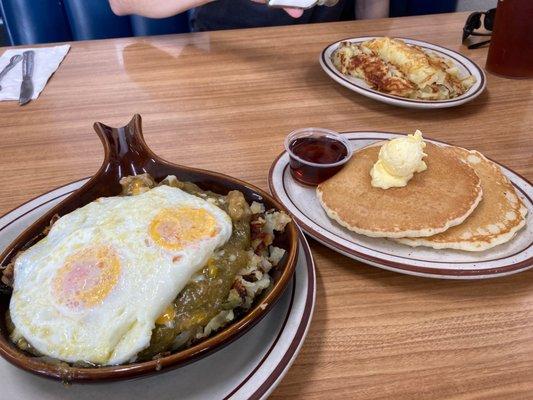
151, 276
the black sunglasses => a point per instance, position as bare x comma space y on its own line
473, 22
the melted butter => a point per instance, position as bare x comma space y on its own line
398, 160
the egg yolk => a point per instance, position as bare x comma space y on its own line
87, 277
173, 229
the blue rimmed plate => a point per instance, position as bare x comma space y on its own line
464, 64
248, 368
301, 201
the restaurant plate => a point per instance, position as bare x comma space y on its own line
250, 367
126, 154
301, 201
465, 65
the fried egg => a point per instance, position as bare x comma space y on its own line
92, 289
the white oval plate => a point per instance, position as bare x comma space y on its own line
301, 201
465, 65
249, 368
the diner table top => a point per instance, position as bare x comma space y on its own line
225, 101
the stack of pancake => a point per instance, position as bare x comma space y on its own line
462, 201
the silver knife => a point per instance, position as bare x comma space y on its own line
26, 87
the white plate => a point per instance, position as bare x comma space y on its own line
249, 368
465, 65
301, 201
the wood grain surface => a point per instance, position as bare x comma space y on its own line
225, 101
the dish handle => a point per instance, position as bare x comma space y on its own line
126, 152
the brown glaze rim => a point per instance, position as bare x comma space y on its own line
475, 93
438, 272
126, 153
300, 332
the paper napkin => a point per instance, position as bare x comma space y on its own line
47, 60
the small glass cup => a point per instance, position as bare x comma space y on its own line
316, 154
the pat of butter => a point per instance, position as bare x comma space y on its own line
398, 160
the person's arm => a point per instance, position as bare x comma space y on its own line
154, 8
167, 8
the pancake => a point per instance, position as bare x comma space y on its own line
434, 200
495, 220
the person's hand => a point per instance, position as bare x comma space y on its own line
293, 12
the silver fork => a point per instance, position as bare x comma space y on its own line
12, 62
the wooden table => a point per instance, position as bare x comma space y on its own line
225, 101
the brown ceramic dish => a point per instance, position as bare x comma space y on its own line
126, 153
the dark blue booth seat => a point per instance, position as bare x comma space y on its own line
43, 21
40, 21
94, 19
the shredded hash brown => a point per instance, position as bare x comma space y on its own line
394, 67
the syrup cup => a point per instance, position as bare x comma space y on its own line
316, 154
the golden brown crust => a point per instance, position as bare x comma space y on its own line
496, 220
394, 67
373, 69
